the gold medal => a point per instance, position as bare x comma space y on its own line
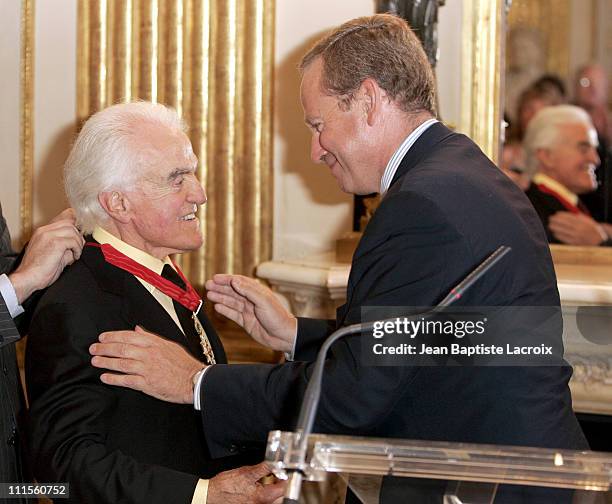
206, 348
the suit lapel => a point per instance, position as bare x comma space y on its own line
138, 306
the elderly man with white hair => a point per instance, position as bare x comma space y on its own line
131, 179
560, 148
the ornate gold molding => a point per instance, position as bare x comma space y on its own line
27, 116
213, 61
482, 73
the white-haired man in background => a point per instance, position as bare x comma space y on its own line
131, 179
561, 154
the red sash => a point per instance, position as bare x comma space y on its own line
575, 209
188, 297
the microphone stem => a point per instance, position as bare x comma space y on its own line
312, 394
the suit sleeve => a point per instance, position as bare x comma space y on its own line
70, 413
7, 256
395, 267
8, 331
311, 334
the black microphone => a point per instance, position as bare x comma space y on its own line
313, 390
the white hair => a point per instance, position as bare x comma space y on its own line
544, 129
103, 157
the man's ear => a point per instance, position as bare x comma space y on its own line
116, 205
545, 157
372, 97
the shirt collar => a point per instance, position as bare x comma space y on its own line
399, 154
559, 188
102, 236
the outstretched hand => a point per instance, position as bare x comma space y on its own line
255, 308
146, 362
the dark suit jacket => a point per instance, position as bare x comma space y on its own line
448, 208
546, 205
12, 403
111, 444
12, 409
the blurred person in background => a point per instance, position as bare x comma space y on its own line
560, 146
592, 94
547, 91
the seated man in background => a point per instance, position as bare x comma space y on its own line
560, 148
131, 180
591, 92
547, 91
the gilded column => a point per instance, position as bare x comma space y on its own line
27, 115
482, 73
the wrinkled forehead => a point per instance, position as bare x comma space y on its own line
151, 141
577, 133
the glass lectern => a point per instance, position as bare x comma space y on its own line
465, 473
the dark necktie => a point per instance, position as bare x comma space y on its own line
583, 208
184, 315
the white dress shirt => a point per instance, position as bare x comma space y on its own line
10, 297
102, 236
399, 154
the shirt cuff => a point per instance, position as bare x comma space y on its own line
200, 495
290, 356
10, 297
196, 388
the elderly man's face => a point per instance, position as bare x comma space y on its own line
339, 137
573, 159
164, 204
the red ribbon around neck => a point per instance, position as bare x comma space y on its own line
575, 209
188, 297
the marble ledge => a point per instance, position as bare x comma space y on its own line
584, 284
578, 284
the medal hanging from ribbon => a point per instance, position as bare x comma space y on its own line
187, 297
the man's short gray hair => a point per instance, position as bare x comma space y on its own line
104, 156
543, 130
381, 47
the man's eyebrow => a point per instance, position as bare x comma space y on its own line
311, 123
178, 172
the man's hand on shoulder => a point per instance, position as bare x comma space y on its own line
49, 251
240, 486
146, 362
254, 307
